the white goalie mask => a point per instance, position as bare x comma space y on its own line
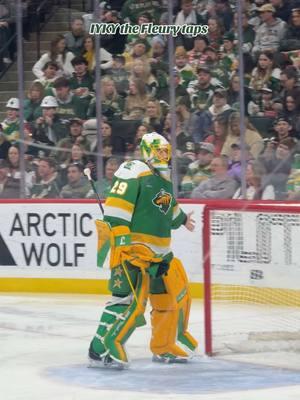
156, 150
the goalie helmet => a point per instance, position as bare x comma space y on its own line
155, 150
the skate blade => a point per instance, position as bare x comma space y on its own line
168, 360
104, 364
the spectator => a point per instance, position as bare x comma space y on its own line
199, 170
184, 142
228, 52
113, 43
293, 187
181, 94
75, 137
89, 54
106, 131
136, 101
215, 32
219, 72
224, 13
140, 50
77, 155
291, 110
50, 74
49, 184
4, 144
3, 176
233, 93
248, 32
184, 69
5, 31
235, 163
270, 32
291, 39
187, 16
58, 54
49, 129
197, 55
141, 70
153, 116
11, 185
265, 73
32, 105
219, 185
82, 81
78, 186
69, 105
74, 38
144, 18
252, 137
201, 90
11, 124
103, 187
283, 128
218, 138
282, 9
119, 74
264, 107
256, 189
133, 8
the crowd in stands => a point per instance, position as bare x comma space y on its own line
60, 107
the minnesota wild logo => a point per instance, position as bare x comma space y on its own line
162, 200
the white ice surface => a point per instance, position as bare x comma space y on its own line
43, 356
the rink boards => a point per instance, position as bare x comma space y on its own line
51, 247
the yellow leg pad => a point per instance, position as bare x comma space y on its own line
164, 330
170, 313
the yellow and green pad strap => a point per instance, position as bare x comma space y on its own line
120, 243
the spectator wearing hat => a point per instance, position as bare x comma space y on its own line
82, 81
89, 53
220, 131
11, 124
220, 185
264, 106
252, 138
75, 37
270, 33
63, 146
78, 186
291, 39
140, 50
265, 73
201, 90
218, 70
256, 188
199, 170
184, 69
48, 183
248, 32
283, 128
159, 54
50, 74
277, 160
32, 105
228, 51
48, 129
144, 18
59, 54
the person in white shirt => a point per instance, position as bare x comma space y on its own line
57, 54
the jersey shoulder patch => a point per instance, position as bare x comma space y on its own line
132, 169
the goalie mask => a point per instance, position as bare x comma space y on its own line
156, 150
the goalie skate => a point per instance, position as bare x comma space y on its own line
169, 359
105, 361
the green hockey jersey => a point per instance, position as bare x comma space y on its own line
144, 201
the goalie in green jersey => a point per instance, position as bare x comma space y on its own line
140, 212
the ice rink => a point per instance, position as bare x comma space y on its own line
44, 341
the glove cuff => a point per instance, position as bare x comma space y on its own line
121, 236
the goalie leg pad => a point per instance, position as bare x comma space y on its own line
132, 317
170, 314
